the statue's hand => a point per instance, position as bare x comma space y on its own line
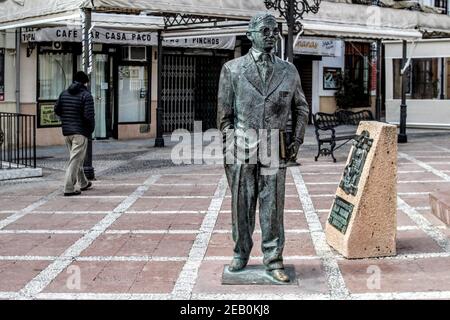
293, 150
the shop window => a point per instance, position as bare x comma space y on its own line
357, 72
2, 74
134, 53
442, 4
423, 80
447, 68
55, 74
133, 89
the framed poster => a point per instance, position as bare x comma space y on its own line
330, 78
46, 116
2, 74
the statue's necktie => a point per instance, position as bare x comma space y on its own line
266, 67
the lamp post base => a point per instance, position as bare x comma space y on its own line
159, 143
402, 138
89, 172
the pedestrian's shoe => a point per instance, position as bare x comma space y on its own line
279, 275
69, 194
89, 185
237, 264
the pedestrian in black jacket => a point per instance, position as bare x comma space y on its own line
75, 107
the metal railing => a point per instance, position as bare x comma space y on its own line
17, 140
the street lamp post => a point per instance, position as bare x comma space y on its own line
159, 141
402, 137
293, 11
87, 65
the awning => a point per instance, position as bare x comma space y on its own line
333, 19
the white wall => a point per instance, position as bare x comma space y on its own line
7, 41
28, 78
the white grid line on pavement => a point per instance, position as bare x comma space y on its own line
335, 280
42, 231
72, 212
129, 259
339, 173
184, 184
400, 181
423, 181
21, 213
99, 197
402, 295
442, 149
43, 279
259, 296
177, 197
165, 212
429, 151
119, 184
167, 231
423, 208
218, 175
188, 275
425, 193
415, 256
287, 258
28, 258
437, 162
405, 256
427, 166
257, 211
432, 157
258, 231
431, 230
102, 296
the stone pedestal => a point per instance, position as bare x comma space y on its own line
363, 219
440, 206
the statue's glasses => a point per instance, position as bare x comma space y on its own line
266, 32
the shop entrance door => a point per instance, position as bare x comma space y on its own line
100, 92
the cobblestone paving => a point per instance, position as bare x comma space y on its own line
151, 230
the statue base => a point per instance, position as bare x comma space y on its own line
256, 274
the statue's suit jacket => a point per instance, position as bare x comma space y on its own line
245, 102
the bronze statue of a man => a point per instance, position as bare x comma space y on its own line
259, 91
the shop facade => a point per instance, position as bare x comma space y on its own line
123, 79
428, 85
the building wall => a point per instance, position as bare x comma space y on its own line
28, 76
433, 113
323, 100
7, 41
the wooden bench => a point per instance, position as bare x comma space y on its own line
338, 126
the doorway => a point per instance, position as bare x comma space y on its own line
100, 93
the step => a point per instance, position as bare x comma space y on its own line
440, 206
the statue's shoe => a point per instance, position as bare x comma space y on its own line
279, 275
237, 264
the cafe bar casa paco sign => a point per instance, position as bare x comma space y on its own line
100, 35
319, 47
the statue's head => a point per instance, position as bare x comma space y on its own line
263, 31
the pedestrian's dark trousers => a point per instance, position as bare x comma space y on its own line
249, 183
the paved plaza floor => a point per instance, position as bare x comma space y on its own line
152, 230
